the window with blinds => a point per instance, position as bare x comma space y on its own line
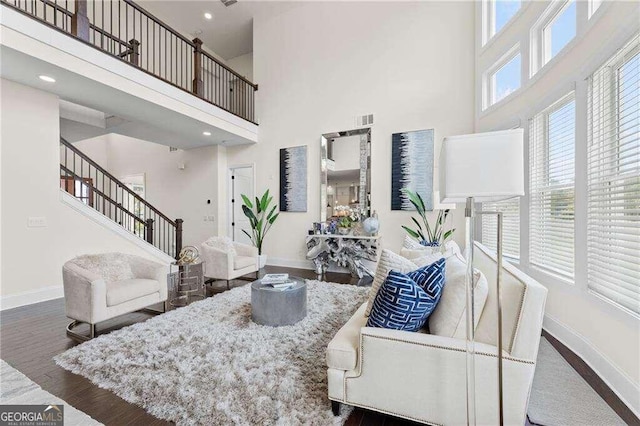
613, 245
510, 226
551, 187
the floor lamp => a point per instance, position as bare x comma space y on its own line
477, 168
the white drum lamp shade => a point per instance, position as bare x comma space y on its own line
486, 166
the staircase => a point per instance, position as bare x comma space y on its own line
83, 178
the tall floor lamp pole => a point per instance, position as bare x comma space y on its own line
476, 168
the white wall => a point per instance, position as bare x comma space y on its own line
406, 62
603, 335
243, 65
175, 192
32, 258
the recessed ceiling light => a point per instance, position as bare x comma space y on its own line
47, 78
206, 133
208, 15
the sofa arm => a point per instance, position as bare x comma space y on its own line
145, 268
218, 263
85, 293
427, 374
246, 250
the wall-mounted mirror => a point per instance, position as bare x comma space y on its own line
345, 172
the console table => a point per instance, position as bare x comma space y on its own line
350, 251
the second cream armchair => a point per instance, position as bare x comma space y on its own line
226, 260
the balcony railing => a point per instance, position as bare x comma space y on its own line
128, 32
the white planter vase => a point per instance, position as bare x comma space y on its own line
262, 260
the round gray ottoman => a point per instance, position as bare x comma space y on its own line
273, 307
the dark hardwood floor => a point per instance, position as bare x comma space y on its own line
31, 336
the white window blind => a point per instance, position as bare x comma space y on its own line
613, 245
551, 187
510, 226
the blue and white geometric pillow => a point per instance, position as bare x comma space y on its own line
402, 304
431, 278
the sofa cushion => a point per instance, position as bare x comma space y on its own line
342, 351
448, 319
388, 261
122, 291
401, 304
240, 262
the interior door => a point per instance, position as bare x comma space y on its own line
241, 183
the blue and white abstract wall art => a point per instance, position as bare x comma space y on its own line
293, 179
412, 168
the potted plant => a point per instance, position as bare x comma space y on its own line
260, 220
427, 235
344, 225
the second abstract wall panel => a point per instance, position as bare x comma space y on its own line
411, 168
293, 179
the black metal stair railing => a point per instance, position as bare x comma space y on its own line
94, 186
125, 30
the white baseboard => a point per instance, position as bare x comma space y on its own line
30, 297
614, 377
302, 264
289, 263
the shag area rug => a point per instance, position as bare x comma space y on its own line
18, 389
209, 364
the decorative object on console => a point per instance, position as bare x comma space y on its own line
344, 225
411, 168
348, 251
293, 179
426, 235
475, 168
188, 254
371, 225
260, 220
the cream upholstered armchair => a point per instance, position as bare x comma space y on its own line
422, 377
99, 287
226, 259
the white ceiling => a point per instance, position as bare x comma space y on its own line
228, 34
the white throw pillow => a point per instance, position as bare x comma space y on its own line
222, 243
419, 257
388, 261
448, 319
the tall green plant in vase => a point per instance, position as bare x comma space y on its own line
427, 235
261, 217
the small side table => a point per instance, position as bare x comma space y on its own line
270, 306
186, 283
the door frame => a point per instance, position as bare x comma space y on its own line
230, 170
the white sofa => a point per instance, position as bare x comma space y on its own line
103, 286
422, 377
225, 259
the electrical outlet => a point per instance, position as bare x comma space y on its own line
37, 222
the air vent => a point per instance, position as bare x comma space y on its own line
364, 120
228, 2
172, 149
